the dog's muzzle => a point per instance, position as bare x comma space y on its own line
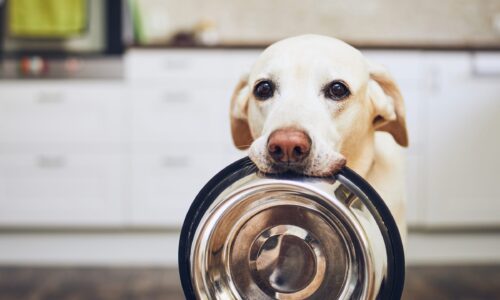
249, 235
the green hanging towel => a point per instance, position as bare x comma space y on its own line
47, 18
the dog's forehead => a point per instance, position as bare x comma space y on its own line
312, 53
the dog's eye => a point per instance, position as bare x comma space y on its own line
264, 90
337, 91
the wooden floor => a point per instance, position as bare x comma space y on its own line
457, 283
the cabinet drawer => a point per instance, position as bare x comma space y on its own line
58, 112
179, 65
180, 115
165, 183
463, 144
60, 189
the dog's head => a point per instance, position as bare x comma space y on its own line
307, 103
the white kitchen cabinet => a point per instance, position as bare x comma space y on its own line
188, 66
61, 189
181, 114
463, 145
165, 180
59, 111
135, 153
61, 156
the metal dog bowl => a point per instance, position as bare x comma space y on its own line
249, 235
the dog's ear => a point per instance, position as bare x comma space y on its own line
240, 130
388, 103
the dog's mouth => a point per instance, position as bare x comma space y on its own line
307, 168
299, 168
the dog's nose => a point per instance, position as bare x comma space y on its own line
288, 145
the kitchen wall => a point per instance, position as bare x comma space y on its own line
456, 23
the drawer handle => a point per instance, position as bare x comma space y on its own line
175, 161
51, 161
50, 98
177, 97
177, 64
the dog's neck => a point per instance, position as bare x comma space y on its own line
362, 158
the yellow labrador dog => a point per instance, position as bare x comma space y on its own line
311, 104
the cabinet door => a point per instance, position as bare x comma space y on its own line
181, 114
56, 111
57, 189
167, 179
174, 66
463, 145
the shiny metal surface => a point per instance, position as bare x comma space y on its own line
302, 238
287, 259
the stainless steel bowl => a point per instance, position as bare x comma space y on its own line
250, 235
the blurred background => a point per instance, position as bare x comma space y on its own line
113, 114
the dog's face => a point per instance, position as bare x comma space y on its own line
308, 102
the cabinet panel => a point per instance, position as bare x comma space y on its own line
60, 112
166, 181
463, 144
58, 189
181, 114
181, 65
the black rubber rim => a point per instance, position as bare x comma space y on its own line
244, 167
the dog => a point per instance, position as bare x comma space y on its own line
312, 104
